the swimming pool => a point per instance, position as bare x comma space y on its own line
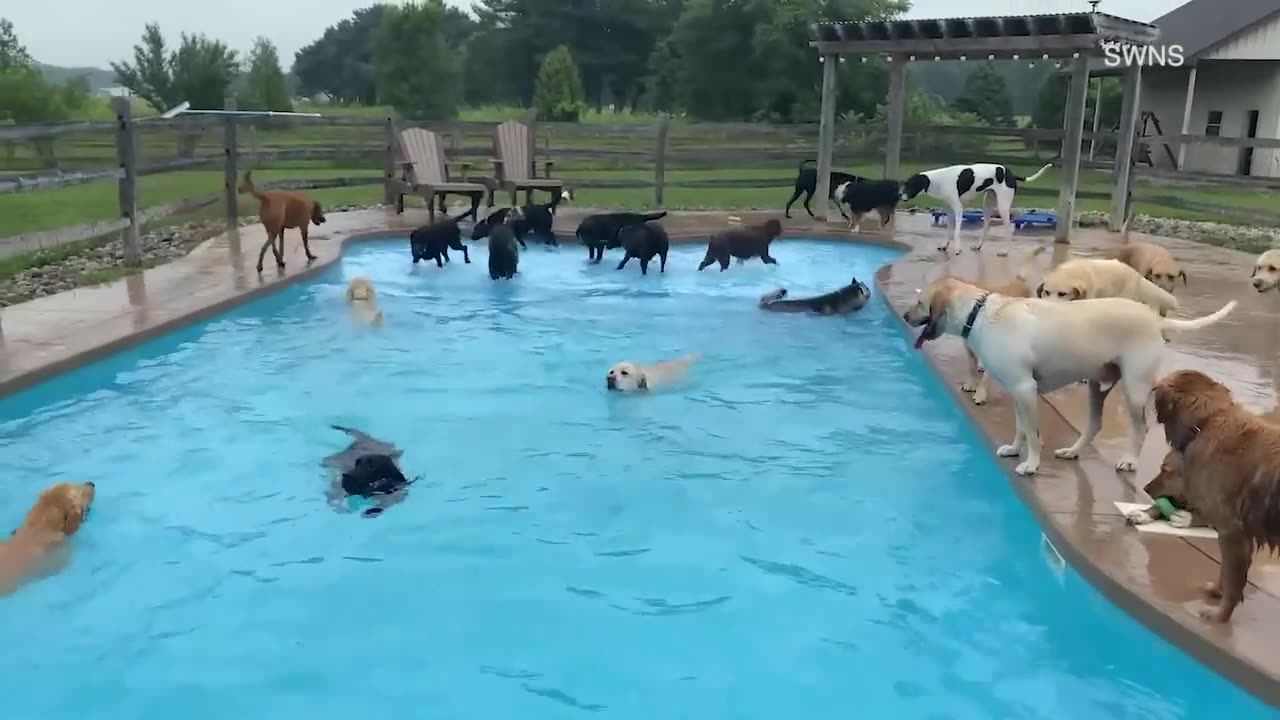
810, 529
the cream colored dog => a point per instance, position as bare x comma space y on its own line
1033, 346
363, 301
979, 383
1266, 271
634, 377
1093, 278
1151, 261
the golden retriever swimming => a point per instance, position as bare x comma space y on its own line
1231, 470
33, 550
363, 301
633, 377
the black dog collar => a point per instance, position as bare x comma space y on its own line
973, 315
1182, 448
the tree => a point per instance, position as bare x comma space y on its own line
987, 96
415, 70
558, 95
26, 96
340, 63
1052, 103
266, 88
13, 55
199, 71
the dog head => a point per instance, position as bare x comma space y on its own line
1169, 482
1165, 275
626, 377
373, 475
360, 289
60, 509
1062, 287
931, 309
915, 185
566, 194
841, 190
246, 183
1185, 400
482, 228
772, 296
1266, 271
862, 289
772, 228
317, 214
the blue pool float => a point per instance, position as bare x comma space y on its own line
1036, 219
966, 217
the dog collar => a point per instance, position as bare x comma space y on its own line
1195, 433
973, 315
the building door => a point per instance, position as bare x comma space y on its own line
1245, 166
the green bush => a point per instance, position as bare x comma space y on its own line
416, 72
557, 97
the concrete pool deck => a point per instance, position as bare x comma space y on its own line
1153, 577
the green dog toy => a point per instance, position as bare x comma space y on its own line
1177, 518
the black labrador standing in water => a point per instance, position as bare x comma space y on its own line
643, 242
432, 242
807, 185
599, 232
366, 469
504, 256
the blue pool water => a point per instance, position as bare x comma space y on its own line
809, 529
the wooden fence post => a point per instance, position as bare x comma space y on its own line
231, 169
126, 154
389, 160
660, 159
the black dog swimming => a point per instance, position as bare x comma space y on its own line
433, 241
807, 185
533, 220
366, 469
498, 217
847, 299
642, 242
600, 232
863, 196
504, 256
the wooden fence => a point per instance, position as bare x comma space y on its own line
660, 157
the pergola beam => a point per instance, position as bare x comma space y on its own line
1076, 101
954, 47
1123, 175
826, 134
897, 113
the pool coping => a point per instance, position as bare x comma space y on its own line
1082, 535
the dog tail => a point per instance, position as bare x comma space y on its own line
1198, 323
1128, 225
247, 187
1157, 297
1039, 172
653, 216
1029, 264
805, 162
350, 431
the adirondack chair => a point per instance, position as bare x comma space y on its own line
514, 165
424, 171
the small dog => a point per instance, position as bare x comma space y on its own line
957, 183
1033, 347
504, 255
1266, 271
363, 301
356, 472
634, 377
432, 242
807, 185
38, 547
600, 232
848, 299
280, 210
743, 242
642, 242
1169, 483
1152, 262
1231, 469
863, 196
1086, 278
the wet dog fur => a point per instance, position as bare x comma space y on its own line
863, 196
599, 232
807, 185
280, 210
432, 242
1168, 483
1151, 261
1231, 468
742, 242
643, 242
354, 471
848, 299
363, 300
1018, 286
38, 547
504, 254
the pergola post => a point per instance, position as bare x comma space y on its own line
826, 134
1071, 141
1186, 117
897, 111
1097, 120
1130, 110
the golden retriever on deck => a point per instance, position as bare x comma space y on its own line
280, 210
34, 548
363, 301
1231, 471
1152, 262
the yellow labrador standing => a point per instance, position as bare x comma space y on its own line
1093, 278
363, 301
634, 377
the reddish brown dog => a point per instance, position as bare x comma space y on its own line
1231, 471
37, 548
280, 210
744, 243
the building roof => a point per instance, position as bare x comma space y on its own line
1200, 25
1057, 35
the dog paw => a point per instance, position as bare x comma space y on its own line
1211, 589
1008, 451
1213, 614
968, 387
979, 398
1138, 517
1127, 465
1002, 253
1027, 468
976, 248
1180, 519
1066, 453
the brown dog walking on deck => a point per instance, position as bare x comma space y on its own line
280, 210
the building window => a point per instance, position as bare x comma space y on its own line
1213, 128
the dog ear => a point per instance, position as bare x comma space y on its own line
1078, 293
644, 382
351, 293
1149, 276
1040, 290
317, 213
1183, 274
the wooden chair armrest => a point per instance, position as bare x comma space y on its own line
464, 165
498, 167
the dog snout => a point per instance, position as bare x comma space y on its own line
90, 484
611, 383
1259, 284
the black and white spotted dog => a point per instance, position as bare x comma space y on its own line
957, 183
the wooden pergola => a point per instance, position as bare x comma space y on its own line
1073, 37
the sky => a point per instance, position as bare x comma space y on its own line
92, 32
